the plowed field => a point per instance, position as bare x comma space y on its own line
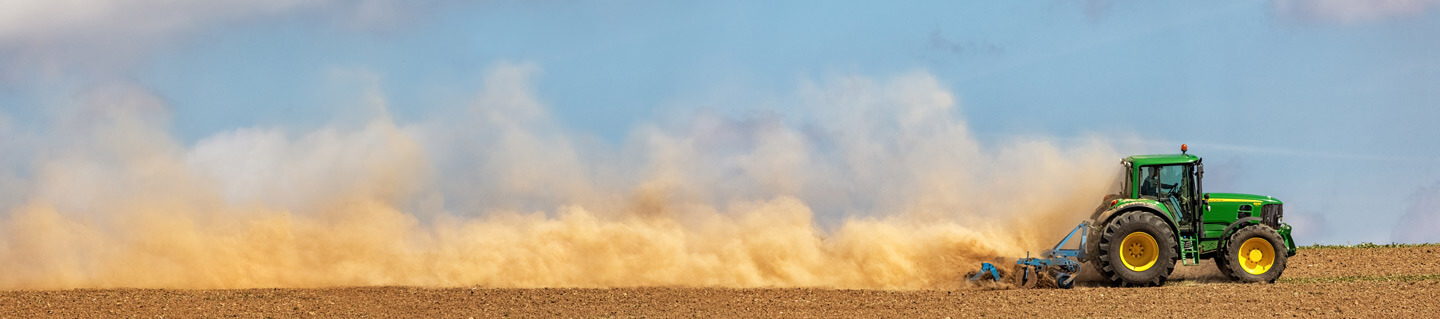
1343, 282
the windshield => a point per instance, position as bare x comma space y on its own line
1165, 181
1171, 185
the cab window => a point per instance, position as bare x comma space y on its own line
1169, 184
1163, 181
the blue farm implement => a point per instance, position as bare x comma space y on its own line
1060, 264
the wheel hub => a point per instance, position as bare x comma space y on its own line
1139, 251
1256, 256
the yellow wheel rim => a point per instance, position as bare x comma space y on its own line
1256, 256
1139, 251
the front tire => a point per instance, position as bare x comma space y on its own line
1137, 249
1223, 264
1255, 253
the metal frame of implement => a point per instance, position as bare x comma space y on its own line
1064, 261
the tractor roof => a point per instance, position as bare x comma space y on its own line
1162, 159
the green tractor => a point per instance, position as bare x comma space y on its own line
1160, 216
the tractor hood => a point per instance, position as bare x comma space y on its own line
1237, 197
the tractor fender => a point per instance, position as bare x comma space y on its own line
1224, 236
1102, 219
1284, 232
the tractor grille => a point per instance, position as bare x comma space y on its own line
1270, 215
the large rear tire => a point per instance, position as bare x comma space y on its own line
1137, 249
1255, 253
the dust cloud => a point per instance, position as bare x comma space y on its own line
868, 184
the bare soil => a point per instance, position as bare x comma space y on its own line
1352, 282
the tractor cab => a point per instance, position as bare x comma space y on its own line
1172, 180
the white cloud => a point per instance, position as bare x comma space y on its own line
28, 20
52, 37
1421, 219
1310, 226
1350, 11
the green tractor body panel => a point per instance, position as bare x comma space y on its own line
1225, 209
1211, 217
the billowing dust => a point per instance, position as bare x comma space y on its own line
866, 184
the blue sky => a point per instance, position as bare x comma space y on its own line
1328, 105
